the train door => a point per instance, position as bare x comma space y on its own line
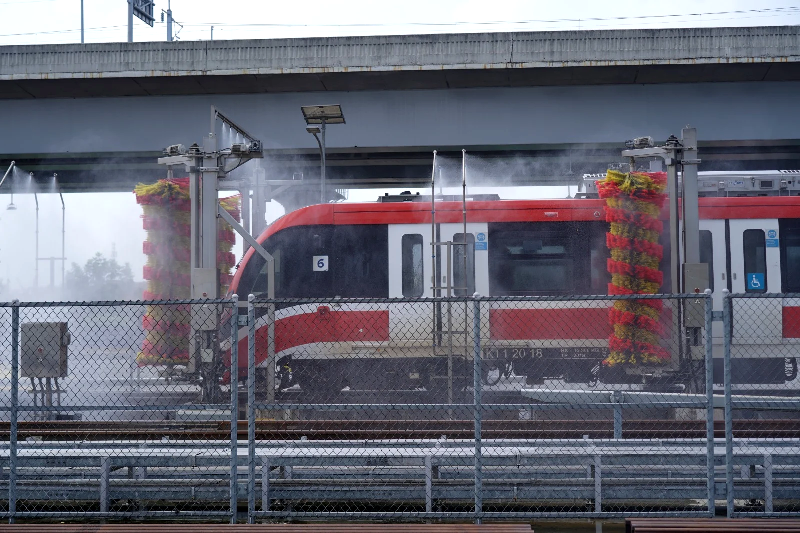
475, 279
476, 250
410, 276
755, 268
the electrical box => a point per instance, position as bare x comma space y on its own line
205, 317
205, 283
44, 349
695, 276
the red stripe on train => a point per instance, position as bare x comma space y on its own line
323, 326
549, 324
791, 322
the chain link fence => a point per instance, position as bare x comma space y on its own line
400, 409
99, 404
488, 408
761, 399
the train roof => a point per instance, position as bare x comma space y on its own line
549, 210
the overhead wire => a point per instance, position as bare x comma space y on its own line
775, 11
738, 15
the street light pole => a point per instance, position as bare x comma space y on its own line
321, 144
317, 118
130, 21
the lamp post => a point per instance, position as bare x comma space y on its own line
317, 117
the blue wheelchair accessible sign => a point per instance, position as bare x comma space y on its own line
755, 282
772, 239
480, 242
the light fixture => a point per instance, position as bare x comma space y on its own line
323, 114
317, 117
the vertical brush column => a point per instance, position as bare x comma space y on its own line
633, 205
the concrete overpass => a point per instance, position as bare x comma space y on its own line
543, 105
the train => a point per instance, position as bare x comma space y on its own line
749, 235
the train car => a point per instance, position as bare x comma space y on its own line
514, 248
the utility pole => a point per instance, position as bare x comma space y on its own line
143, 9
130, 21
81, 21
169, 21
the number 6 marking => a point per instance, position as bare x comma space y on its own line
320, 263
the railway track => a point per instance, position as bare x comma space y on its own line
396, 429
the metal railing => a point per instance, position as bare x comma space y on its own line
368, 409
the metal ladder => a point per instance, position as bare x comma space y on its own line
439, 330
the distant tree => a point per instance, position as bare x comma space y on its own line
101, 279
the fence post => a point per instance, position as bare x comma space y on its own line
709, 362
12, 459
727, 311
234, 407
105, 483
476, 386
251, 413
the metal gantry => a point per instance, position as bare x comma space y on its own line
208, 166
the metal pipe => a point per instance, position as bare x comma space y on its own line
449, 326
10, 167
169, 21
710, 401
12, 458
234, 405
476, 387
251, 413
464, 214
465, 246
434, 273
244, 192
130, 21
674, 229
321, 144
324, 162
727, 310
691, 217
36, 268
63, 236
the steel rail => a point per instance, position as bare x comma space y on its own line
393, 429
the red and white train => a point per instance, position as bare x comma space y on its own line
750, 237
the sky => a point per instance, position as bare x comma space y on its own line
87, 216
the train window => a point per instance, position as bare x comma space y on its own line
254, 279
707, 255
412, 265
458, 264
540, 258
359, 258
755, 260
790, 255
